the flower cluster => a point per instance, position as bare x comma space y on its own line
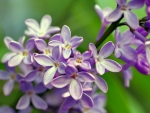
50, 64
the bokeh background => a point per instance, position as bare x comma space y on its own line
82, 19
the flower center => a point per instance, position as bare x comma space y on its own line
25, 53
47, 51
79, 60
13, 77
57, 64
41, 33
30, 92
74, 75
67, 46
123, 8
40, 68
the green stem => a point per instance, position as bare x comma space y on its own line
111, 28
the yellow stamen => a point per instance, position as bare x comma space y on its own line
47, 51
79, 60
25, 53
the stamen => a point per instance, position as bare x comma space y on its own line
79, 60
47, 51
25, 53
57, 64
123, 8
13, 77
74, 75
67, 46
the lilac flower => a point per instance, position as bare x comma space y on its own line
42, 47
124, 8
6, 109
67, 42
27, 110
11, 76
73, 78
148, 7
102, 14
22, 54
40, 31
81, 60
54, 62
100, 59
122, 45
31, 95
9, 55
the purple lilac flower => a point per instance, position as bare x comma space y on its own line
31, 95
102, 14
9, 55
27, 110
100, 59
148, 7
67, 43
22, 54
122, 45
147, 24
81, 60
73, 78
40, 31
11, 76
54, 62
124, 8
42, 47
6, 109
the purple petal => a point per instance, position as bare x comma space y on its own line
40, 44
75, 89
93, 49
7, 40
15, 60
117, 36
7, 56
86, 101
23, 102
66, 53
7, 89
4, 75
43, 60
85, 77
54, 43
70, 70
45, 22
6, 109
49, 75
61, 68
38, 102
68, 103
115, 15
31, 23
56, 53
86, 55
31, 76
39, 88
100, 68
56, 37
127, 77
15, 46
28, 59
61, 81
21, 40
147, 48
25, 86
101, 83
121, 2
66, 34
135, 4
85, 65
76, 41
111, 65
30, 44
53, 30
117, 52
99, 11
107, 50
131, 19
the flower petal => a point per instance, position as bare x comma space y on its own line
43, 60
93, 49
61, 68
25, 86
99, 11
115, 15
85, 65
53, 30
31, 23
131, 19
127, 77
46, 22
30, 44
106, 50
121, 2
68, 103
86, 101
61, 81
101, 83
147, 48
39, 88
76, 41
54, 43
70, 70
15, 46
21, 40
86, 55
23, 102
56, 53
7, 89
111, 65
4, 75
99, 68
75, 89
28, 59
7, 40
15, 60
49, 75
66, 34
85, 77
7, 56
31, 76
40, 44
135, 4
38, 102
66, 53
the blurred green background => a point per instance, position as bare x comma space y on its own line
82, 19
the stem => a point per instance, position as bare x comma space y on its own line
111, 28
